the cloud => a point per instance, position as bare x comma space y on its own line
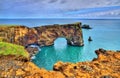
101, 14
63, 1
52, 1
92, 10
57, 8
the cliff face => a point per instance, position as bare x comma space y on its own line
43, 36
12, 67
107, 65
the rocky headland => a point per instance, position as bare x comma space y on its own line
15, 59
43, 35
106, 65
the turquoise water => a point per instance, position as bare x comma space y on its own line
105, 34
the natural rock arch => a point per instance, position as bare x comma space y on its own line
43, 35
60, 41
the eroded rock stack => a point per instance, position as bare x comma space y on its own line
43, 35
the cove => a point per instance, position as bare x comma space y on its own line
60, 51
105, 34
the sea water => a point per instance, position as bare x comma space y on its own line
105, 34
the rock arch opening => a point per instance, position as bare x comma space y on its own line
60, 43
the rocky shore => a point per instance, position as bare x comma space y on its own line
106, 65
15, 62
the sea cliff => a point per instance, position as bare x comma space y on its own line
15, 61
106, 65
42, 35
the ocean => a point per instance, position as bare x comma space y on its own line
105, 34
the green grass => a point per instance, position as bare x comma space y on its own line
7, 25
12, 49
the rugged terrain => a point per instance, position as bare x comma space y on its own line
43, 35
15, 61
106, 65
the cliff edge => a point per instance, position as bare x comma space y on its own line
106, 65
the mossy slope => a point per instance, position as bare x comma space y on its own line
12, 49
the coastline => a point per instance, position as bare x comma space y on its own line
105, 65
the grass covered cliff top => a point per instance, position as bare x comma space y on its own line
12, 49
7, 25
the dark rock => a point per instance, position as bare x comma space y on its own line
32, 50
94, 59
58, 69
102, 50
89, 39
74, 41
85, 26
118, 51
75, 67
106, 76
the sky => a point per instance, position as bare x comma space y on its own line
59, 8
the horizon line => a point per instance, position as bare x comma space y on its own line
60, 18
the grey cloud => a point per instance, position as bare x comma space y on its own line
52, 1
42, 7
63, 1
112, 13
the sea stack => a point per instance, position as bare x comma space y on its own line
42, 35
85, 26
90, 39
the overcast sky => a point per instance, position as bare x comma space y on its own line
59, 8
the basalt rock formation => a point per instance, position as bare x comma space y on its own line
85, 26
43, 35
106, 65
89, 39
